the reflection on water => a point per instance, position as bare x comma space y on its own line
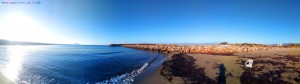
68, 64
14, 63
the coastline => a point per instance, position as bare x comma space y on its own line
267, 62
154, 78
157, 78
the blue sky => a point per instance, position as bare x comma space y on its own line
167, 21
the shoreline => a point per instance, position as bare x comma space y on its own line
156, 77
267, 62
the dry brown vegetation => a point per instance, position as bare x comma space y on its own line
280, 69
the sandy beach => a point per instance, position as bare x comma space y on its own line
157, 78
276, 65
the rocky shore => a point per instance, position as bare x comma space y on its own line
193, 64
277, 65
209, 49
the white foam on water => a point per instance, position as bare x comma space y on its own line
126, 78
36, 79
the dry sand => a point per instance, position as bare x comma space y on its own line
280, 65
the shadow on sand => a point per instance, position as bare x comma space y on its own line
184, 66
222, 77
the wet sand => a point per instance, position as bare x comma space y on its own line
277, 65
157, 78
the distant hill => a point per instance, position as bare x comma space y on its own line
6, 42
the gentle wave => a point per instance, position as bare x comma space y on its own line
108, 52
79, 64
126, 78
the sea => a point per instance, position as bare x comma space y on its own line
75, 64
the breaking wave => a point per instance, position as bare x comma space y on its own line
126, 78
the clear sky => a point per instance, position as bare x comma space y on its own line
154, 21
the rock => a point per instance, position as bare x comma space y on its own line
197, 49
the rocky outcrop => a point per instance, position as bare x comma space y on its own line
224, 50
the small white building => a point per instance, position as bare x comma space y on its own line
224, 45
279, 44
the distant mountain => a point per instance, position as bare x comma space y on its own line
6, 42
285, 44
